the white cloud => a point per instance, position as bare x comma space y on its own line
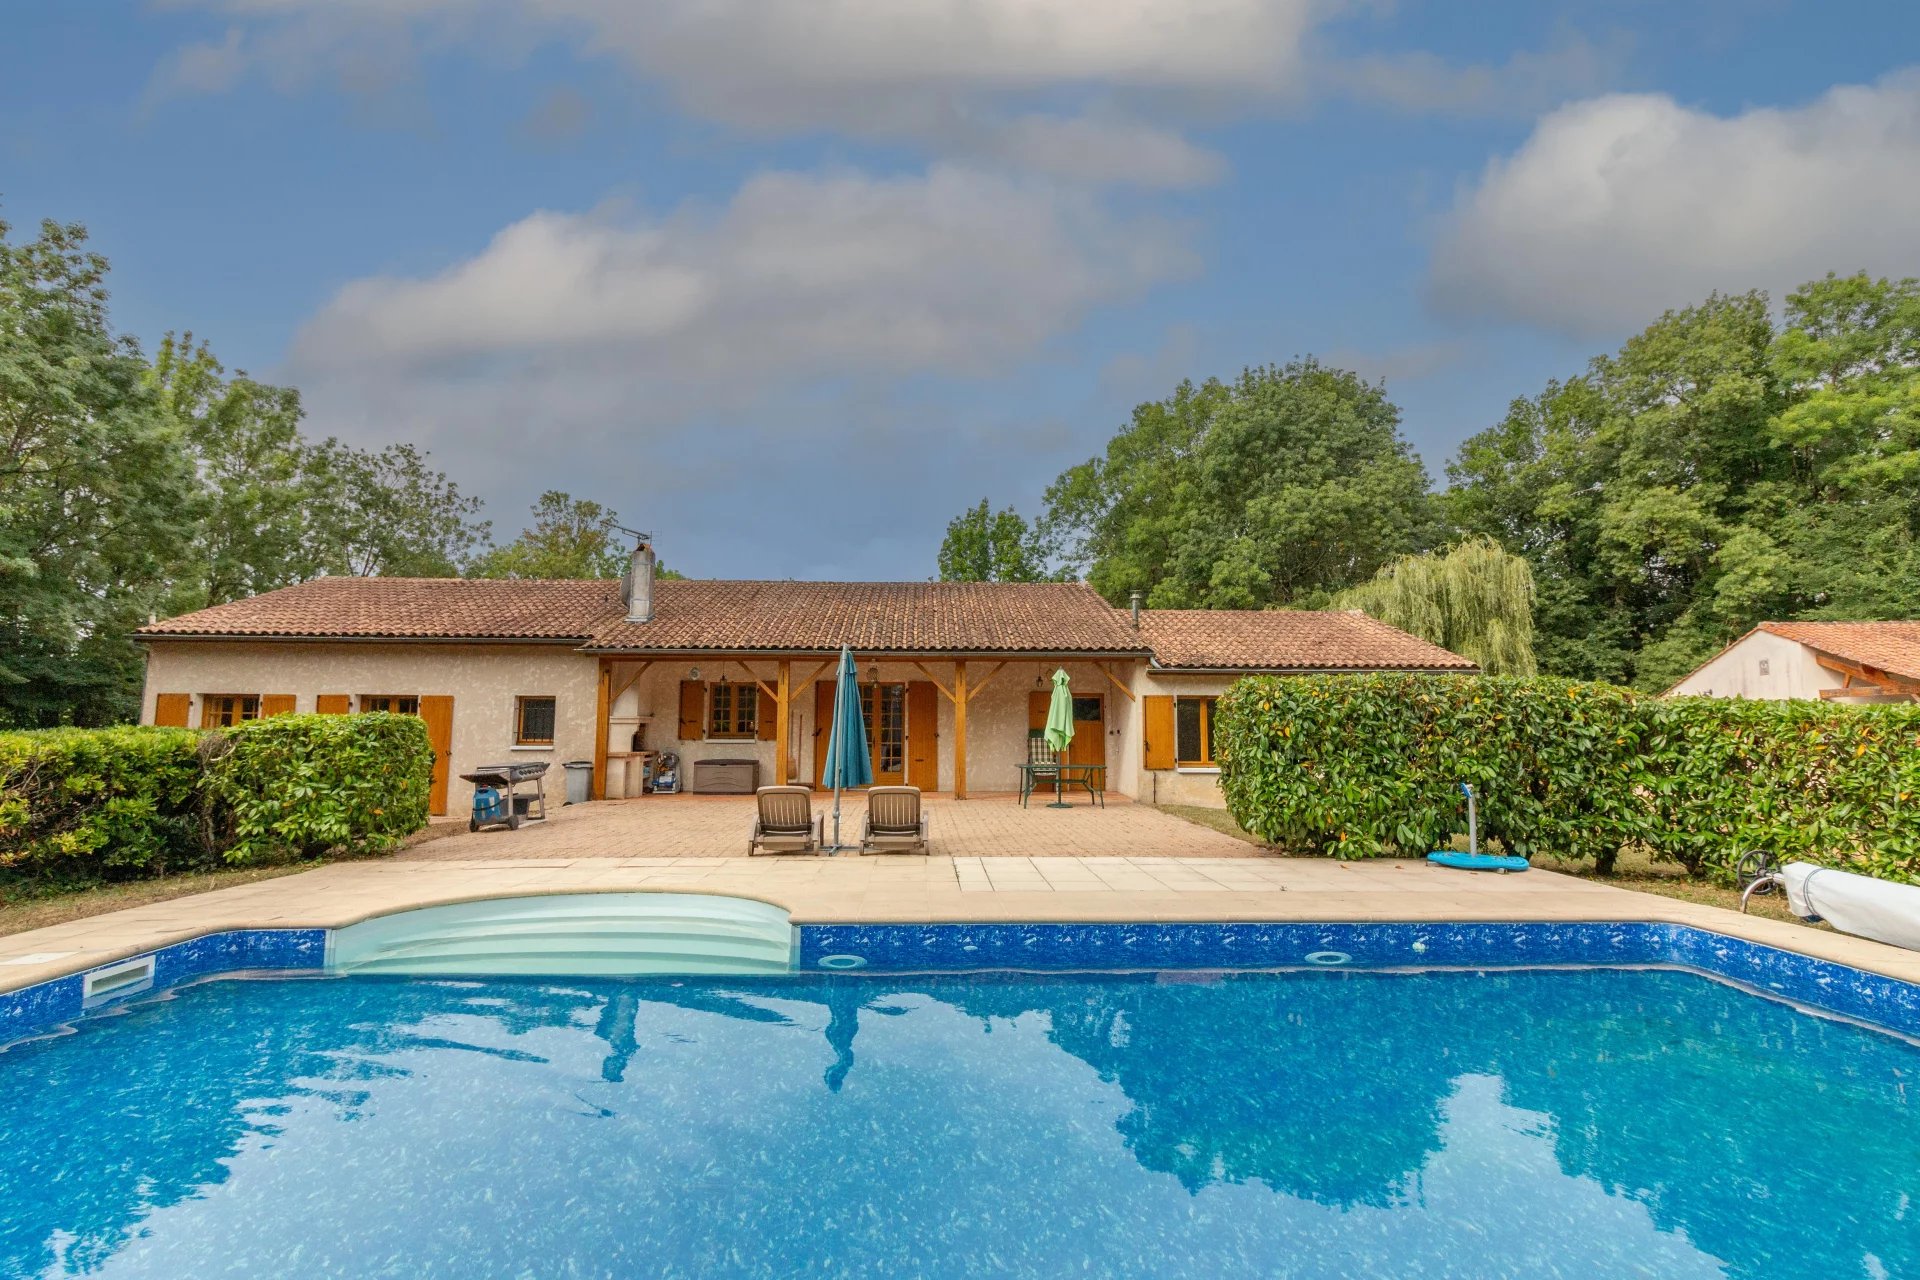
1093, 91
1620, 207
799, 276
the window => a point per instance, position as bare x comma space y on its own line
1193, 732
533, 722
731, 710
400, 704
219, 710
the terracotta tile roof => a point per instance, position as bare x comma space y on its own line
1287, 640
876, 617
1051, 617
1893, 647
409, 608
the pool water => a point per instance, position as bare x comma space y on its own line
1588, 1123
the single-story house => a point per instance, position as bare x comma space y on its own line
1832, 661
954, 674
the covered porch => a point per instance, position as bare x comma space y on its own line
948, 722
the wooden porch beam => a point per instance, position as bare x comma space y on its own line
921, 667
998, 668
747, 671
960, 697
818, 671
1850, 671
1118, 683
630, 681
601, 704
782, 704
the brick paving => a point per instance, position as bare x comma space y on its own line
992, 826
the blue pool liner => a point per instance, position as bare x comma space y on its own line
1820, 984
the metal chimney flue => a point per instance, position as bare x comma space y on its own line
1134, 603
637, 588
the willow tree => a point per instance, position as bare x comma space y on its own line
1473, 598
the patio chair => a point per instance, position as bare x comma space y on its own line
895, 822
1041, 767
785, 823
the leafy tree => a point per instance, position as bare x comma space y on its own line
385, 513
1475, 599
569, 538
983, 545
243, 438
1623, 487
1289, 483
97, 496
1850, 350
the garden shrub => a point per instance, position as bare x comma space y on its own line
308, 785
1360, 766
78, 805
1806, 781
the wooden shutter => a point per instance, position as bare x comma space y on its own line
822, 728
170, 709
763, 719
923, 736
332, 704
693, 706
1039, 702
276, 704
1157, 724
437, 710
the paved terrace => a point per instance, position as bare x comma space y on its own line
993, 826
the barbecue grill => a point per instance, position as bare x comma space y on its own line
497, 799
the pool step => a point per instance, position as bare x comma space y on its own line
572, 935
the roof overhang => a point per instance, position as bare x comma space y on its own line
891, 655
1158, 670
145, 637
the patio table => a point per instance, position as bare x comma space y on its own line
1093, 777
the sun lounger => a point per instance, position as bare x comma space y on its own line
895, 821
786, 822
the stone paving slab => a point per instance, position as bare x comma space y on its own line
912, 889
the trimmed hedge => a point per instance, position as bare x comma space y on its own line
1364, 766
308, 785
80, 806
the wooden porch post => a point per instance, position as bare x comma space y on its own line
601, 708
782, 719
959, 728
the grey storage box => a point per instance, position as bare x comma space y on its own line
726, 777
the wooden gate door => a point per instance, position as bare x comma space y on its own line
437, 710
1089, 745
923, 736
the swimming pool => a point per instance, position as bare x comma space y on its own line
1588, 1122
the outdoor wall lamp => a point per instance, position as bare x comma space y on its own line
693, 673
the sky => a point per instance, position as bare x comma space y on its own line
790, 283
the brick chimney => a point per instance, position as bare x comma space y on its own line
637, 587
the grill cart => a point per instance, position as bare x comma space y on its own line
498, 800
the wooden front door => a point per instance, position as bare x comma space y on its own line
923, 736
1089, 745
884, 708
437, 710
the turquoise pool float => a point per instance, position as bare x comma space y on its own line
1478, 861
